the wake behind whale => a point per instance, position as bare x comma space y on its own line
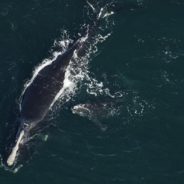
48, 83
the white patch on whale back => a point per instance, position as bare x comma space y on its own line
81, 110
11, 159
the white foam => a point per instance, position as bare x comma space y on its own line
103, 13
108, 14
91, 6
67, 85
63, 44
100, 13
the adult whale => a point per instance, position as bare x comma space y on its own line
40, 94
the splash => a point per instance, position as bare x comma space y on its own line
78, 69
12, 170
63, 44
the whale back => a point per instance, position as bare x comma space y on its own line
40, 94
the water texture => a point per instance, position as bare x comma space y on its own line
138, 70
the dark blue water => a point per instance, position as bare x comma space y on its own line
143, 59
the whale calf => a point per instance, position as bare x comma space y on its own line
99, 110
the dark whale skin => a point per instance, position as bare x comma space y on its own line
40, 94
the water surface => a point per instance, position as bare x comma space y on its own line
143, 59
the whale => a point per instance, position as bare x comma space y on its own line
39, 96
98, 110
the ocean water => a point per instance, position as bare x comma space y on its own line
138, 68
